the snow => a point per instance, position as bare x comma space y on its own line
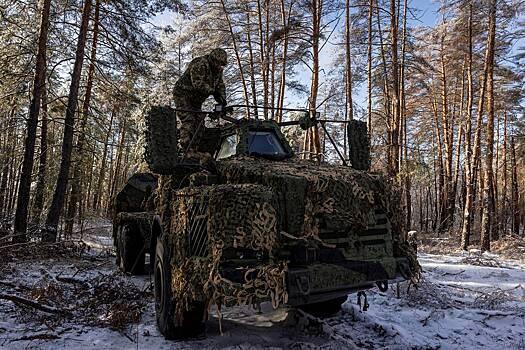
458, 305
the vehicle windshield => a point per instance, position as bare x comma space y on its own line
264, 143
260, 143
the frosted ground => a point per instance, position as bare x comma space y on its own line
465, 301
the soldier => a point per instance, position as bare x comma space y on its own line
202, 78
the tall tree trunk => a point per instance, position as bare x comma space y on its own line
78, 170
272, 82
386, 90
369, 70
441, 166
469, 178
403, 117
496, 224
349, 110
38, 205
395, 120
97, 198
24, 188
458, 148
118, 163
252, 63
7, 161
15, 181
488, 200
448, 133
282, 84
314, 87
267, 47
504, 191
349, 115
262, 48
87, 200
514, 190
53, 215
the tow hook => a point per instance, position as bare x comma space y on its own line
365, 305
303, 284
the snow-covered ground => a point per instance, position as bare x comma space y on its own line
459, 304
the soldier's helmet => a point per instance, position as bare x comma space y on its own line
219, 56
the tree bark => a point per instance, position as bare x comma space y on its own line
395, 119
514, 203
251, 60
282, 84
504, 191
314, 87
118, 162
469, 177
38, 205
349, 110
24, 187
369, 70
488, 197
262, 48
7, 163
78, 171
53, 215
97, 198
448, 134
403, 122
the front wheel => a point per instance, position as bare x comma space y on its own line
192, 320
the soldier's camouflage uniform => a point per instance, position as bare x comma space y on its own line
202, 78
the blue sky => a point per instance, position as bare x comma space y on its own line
428, 11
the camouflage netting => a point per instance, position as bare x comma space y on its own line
334, 196
359, 145
295, 198
161, 139
239, 216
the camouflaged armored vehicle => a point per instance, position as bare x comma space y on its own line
265, 226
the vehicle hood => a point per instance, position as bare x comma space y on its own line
313, 197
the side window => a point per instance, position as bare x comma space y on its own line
228, 147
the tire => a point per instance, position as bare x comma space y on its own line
324, 309
131, 251
193, 320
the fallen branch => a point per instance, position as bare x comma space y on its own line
452, 273
42, 336
13, 285
27, 302
73, 280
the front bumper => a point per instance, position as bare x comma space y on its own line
321, 282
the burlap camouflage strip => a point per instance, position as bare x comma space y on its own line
359, 145
340, 194
241, 216
161, 149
